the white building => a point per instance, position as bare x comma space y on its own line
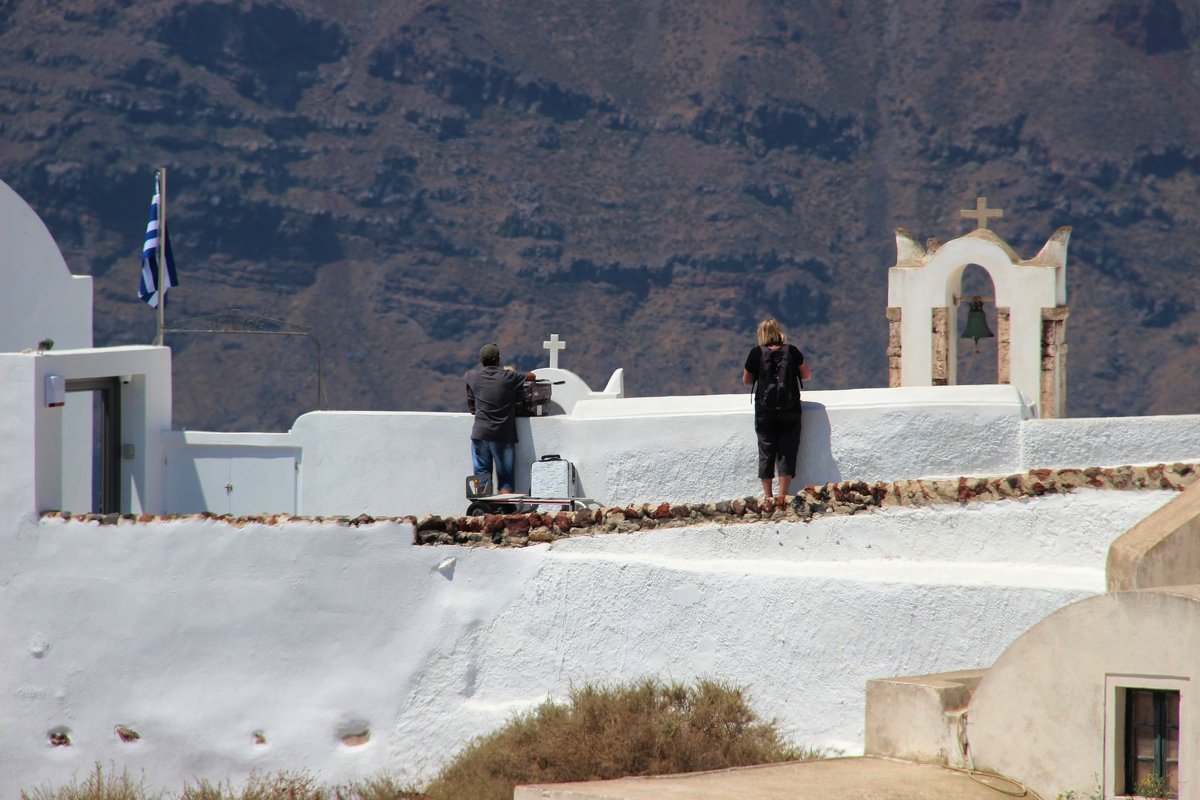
193, 647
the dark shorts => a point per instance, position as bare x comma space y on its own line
778, 443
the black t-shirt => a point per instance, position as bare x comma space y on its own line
492, 391
754, 365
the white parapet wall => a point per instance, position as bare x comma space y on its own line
633, 450
258, 647
649, 449
1109, 441
692, 449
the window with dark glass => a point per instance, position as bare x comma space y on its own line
1151, 739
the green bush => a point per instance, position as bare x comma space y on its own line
648, 728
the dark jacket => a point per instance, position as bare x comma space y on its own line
492, 394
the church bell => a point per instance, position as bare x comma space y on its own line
977, 327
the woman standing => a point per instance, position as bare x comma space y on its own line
775, 369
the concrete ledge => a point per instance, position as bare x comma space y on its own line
1161, 550
920, 718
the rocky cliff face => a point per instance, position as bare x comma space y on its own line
647, 179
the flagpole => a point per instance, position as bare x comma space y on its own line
161, 253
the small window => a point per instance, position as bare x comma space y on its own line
1151, 740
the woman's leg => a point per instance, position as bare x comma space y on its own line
766, 454
789, 448
784, 482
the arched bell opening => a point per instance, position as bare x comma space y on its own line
975, 332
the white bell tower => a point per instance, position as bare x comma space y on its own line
924, 290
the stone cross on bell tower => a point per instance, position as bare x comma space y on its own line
981, 213
925, 287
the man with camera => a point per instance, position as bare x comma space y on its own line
492, 395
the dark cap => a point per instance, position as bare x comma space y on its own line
489, 354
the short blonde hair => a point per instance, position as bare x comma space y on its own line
770, 332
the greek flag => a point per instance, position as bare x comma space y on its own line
148, 290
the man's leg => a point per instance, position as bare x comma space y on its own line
504, 455
481, 460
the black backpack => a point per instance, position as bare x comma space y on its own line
778, 383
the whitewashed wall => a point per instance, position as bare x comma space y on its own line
42, 447
693, 449
41, 299
58, 445
651, 449
631, 450
197, 635
18, 435
1060, 685
1109, 441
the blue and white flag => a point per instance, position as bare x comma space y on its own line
148, 290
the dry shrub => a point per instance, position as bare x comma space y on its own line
381, 787
97, 786
648, 728
202, 790
301, 786
273, 786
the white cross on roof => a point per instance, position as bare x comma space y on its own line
553, 344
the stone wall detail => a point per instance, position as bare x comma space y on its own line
1003, 345
842, 498
941, 372
1054, 362
846, 497
894, 350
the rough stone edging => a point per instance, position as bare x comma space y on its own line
844, 497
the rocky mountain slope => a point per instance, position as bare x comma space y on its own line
646, 178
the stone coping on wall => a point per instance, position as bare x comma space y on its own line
844, 497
